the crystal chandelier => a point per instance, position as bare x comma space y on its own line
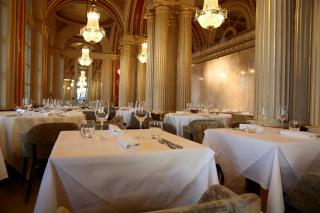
211, 16
92, 32
143, 54
85, 59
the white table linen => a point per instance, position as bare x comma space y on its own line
3, 169
125, 113
92, 176
179, 120
12, 125
273, 160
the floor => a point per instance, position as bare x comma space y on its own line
12, 192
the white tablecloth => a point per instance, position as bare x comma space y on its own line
12, 125
94, 176
274, 161
3, 169
181, 120
126, 114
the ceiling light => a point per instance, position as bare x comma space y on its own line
85, 59
211, 16
143, 54
92, 32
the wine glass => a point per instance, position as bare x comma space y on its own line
283, 115
101, 115
262, 114
140, 115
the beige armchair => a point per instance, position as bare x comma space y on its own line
219, 199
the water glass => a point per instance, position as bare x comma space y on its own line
294, 125
156, 129
87, 128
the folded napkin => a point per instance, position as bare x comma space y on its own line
180, 112
128, 143
251, 128
114, 129
20, 111
298, 134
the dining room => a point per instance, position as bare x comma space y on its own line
160, 106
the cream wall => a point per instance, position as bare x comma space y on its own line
227, 82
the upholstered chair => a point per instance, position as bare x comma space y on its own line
195, 130
238, 119
134, 123
219, 199
112, 113
117, 120
90, 115
36, 146
305, 195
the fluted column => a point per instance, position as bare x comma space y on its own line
184, 58
150, 61
315, 67
301, 63
141, 81
128, 61
273, 38
161, 76
106, 81
172, 62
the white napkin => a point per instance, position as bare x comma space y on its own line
114, 129
298, 134
20, 111
128, 143
180, 112
251, 128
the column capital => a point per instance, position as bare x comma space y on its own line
186, 11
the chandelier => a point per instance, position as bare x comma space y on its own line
92, 32
143, 54
85, 59
211, 16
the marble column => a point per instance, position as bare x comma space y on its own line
273, 55
128, 61
161, 77
141, 81
301, 62
315, 67
172, 62
184, 58
150, 61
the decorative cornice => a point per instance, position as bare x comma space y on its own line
239, 43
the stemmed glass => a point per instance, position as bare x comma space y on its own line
262, 115
283, 114
27, 103
102, 114
140, 115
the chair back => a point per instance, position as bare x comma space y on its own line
239, 118
195, 130
90, 115
38, 142
112, 113
134, 123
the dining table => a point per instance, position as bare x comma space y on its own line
273, 158
180, 119
13, 124
3, 169
125, 113
90, 175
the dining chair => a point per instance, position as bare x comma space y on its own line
112, 113
305, 195
36, 146
90, 115
117, 120
237, 119
134, 123
219, 199
195, 129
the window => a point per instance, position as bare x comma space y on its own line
27, 74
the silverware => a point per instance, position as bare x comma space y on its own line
170, 144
